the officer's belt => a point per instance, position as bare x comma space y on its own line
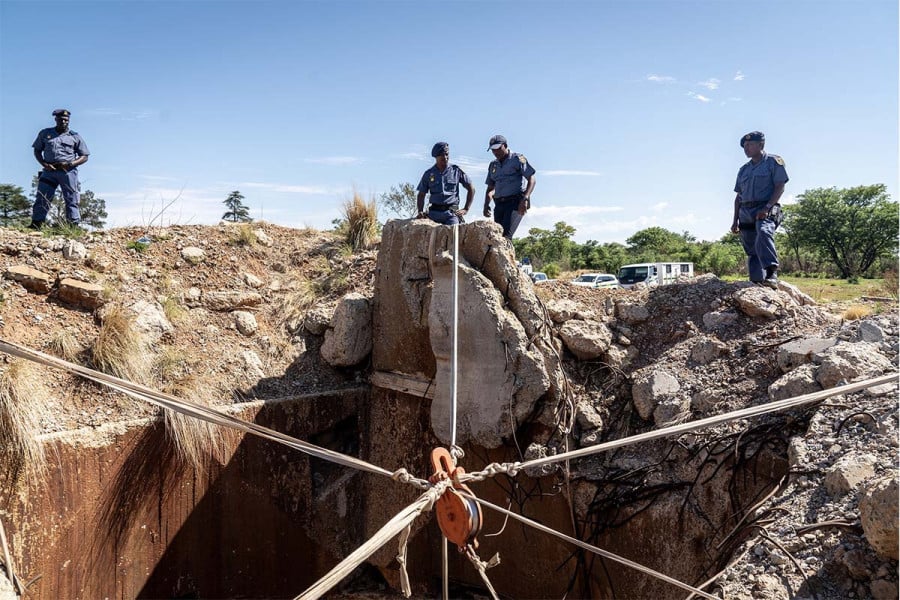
518, 196
443, 206
747, 226
752, 202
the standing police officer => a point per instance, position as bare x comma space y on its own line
759, 186
510, 181
442, 184
60, 152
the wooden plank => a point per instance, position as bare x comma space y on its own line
401, 382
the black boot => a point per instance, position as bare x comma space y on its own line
36, 225
771, 279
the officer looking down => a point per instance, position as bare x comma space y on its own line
442, 182
757, 213
510, 181
59, 151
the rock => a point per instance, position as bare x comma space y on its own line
591, 438
851, 361
317, 319
848, 472
253, 365
230, 300
74, 250
649, 388
81, 293
758, 301
587, 340
869, 332
878, 513
632, 313
882, 589
671, 410
795, 293
262, 238
150, 320
706, 350
29, 278
798, 382
705, 400
799, 352
253, 281
619, 357
561, 310
245, 322
719, 319
587, 416
349, 337
193, 255
797, 452
192, 296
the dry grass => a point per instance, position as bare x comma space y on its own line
245, 235
23, 402
65, 345
361, 222
856, 311
119, 350
195, 441
172, 309
293, 304
891, 285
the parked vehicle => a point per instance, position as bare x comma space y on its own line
596, 280
652, 274
538, 277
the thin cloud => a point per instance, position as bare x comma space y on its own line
739, 76
122, 115
711, 84
335, 161
699, 97
291, 189
659, 207
469, 163
564, 172
420, 156
659, 78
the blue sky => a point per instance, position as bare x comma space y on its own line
631, 112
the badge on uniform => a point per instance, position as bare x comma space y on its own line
778, 159
522, 159
432, 178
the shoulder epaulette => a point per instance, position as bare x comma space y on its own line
778, 159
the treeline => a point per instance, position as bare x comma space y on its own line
829, 232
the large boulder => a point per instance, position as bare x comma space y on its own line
798, 382
349, 338
81, 293
29, 278
150, 320
800, 352
878, 513
848, 472
758, 301
587, 340
847, 362
650, 387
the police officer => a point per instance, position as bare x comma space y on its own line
757, 213
60, 151
442, 183
510, 181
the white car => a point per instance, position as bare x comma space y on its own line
538, 277
596, 280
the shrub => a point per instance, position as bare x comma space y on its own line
23, 403
245, 235
552, 270
118, 349
856, 311
137, 246
360, 226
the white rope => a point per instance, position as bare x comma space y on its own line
204, 413
482, 567
401, 560
594, 549
390, 529
512, 468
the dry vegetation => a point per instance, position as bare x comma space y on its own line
118, 349
22, 408
361, 222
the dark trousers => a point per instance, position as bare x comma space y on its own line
48, 181
506, 212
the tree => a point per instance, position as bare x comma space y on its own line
401, 200
544, 246
656, 244
852, 227
15, 208
237, 212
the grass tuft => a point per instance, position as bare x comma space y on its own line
245, 236
361, 222
293, 304
856, 311
65, 345
195, 441
119, 349
23, 402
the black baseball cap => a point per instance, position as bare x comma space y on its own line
496, 141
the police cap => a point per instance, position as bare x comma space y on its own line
61, 112
440, 149
496, 141
753, 136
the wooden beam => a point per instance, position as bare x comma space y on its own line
401, 382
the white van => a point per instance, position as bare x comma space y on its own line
654, 273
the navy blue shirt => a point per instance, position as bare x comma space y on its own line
510, 177
60, 147
443, 188
756, 183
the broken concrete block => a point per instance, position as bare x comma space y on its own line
29, 278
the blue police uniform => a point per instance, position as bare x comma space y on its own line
510, 179
58, 147
443, 191
756, 184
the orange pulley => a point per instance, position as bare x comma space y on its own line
459, 517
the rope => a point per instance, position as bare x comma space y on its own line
401, 559
510, 468
396, 525
594, 549
482, 566
204, 413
